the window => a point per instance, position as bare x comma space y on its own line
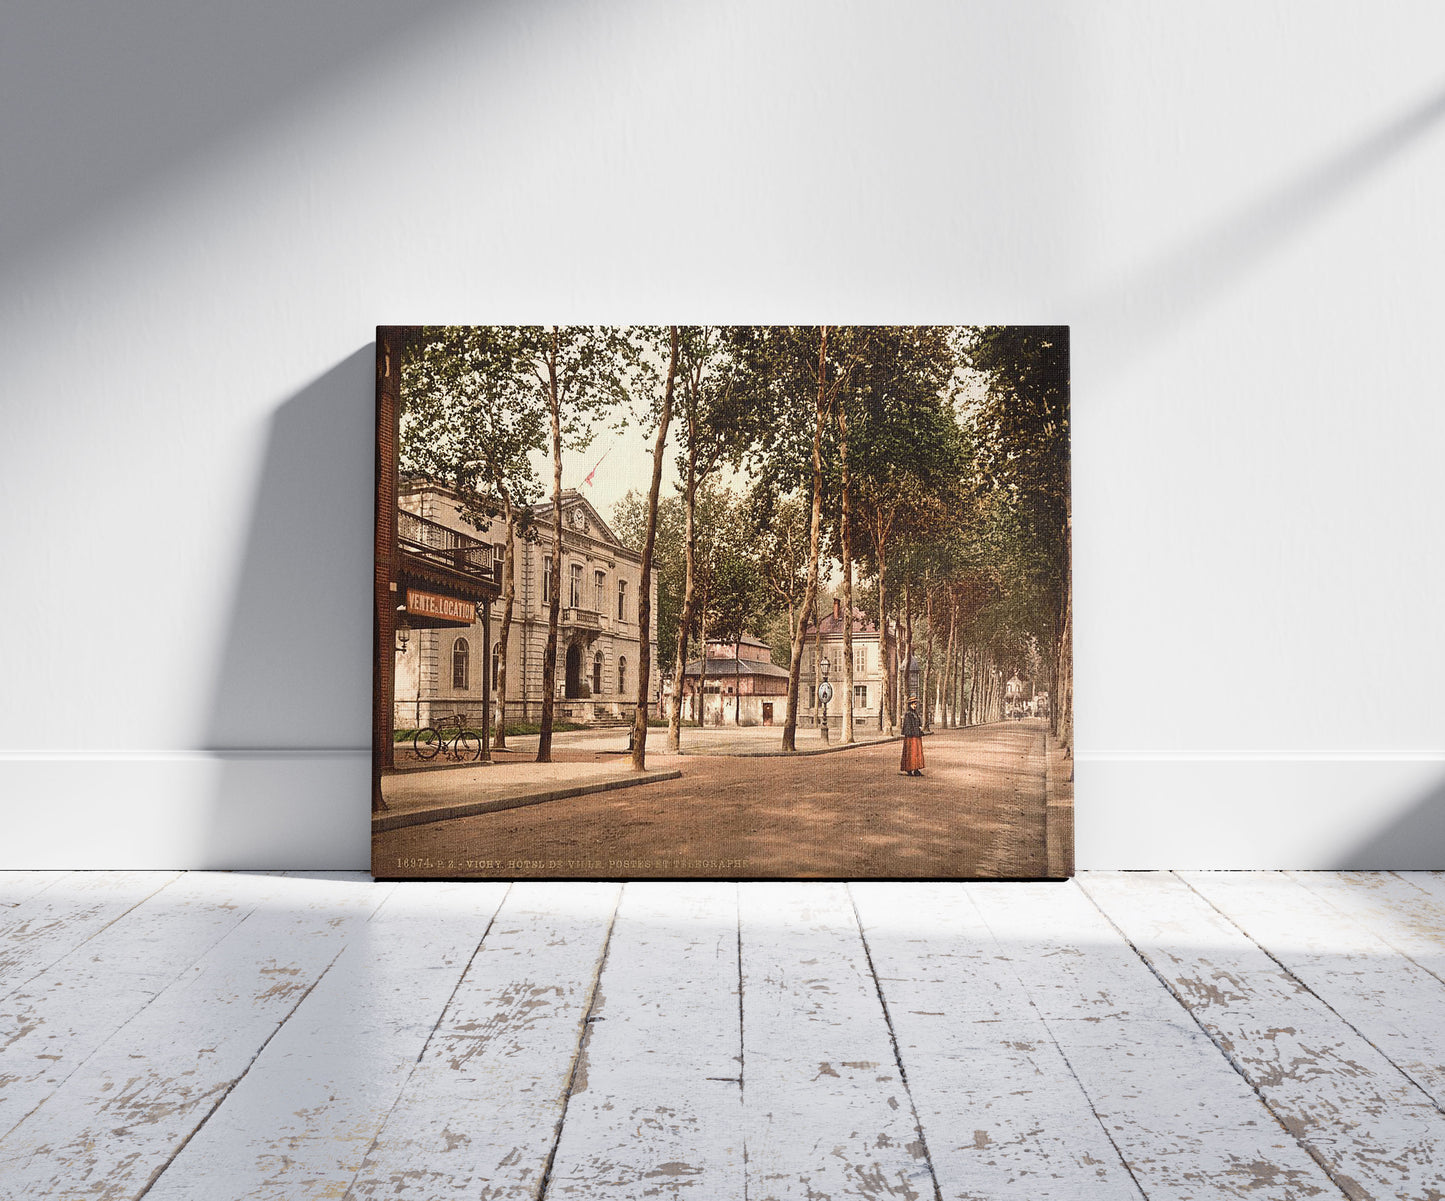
496, 661
461, 653
860, 659
574, 590
621, 600
547, 580
860, 695
622, 674
597, 674
601, 581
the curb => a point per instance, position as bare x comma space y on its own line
444, 813
418, 768
822, 750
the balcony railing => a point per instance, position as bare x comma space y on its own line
587, 618
439, 544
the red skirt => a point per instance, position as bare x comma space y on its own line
912, 755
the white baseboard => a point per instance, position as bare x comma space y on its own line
310, 809
1260, 810
186, 809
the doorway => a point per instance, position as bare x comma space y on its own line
573, 687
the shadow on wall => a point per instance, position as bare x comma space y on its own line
109, 99
1151, 303
290, 715
1413, 842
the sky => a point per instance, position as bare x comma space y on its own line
623, 462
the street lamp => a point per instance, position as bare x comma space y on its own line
825, 694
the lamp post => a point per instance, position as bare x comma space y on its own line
825, 694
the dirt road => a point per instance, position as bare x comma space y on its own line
979, 811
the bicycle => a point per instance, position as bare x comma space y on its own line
452, 738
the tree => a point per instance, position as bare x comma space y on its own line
629, 523
792, 379
1022, 425
736, 599
905, 448
644, 598
470, 425
714, 431
778, 531
576, 371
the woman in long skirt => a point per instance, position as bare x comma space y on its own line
912, 764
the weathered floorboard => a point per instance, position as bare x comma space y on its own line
300, 1122
1003, 1116
826, 1111
1404, 909
656, 1105
1392, 1002
48, 925
1375, 1131
480, 1114
1259, 1035
16, 887
1186, 1124
123, 1114
50, 1025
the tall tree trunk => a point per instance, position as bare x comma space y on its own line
509, 596
554, 612
969, 696
955, 713
790, 727
689, 596
702, 668
847, 539
927, 662
817, 667
737, 682
885, 649
1064, 676
644, 599
907, 643
968, 692
950, 702
895, 675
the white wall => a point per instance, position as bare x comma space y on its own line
206, 207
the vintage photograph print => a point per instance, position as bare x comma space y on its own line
732, 602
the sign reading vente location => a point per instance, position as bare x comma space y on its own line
440, 608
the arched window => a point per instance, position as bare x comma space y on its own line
461, 654
597, 674
622, 675
496, 661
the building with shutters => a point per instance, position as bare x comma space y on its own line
869, 670
455, 670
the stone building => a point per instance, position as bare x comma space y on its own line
869, 672
439, 672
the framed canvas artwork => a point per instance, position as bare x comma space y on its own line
735, 602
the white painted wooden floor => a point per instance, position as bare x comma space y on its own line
1189, 1035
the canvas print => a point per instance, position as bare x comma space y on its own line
734, 602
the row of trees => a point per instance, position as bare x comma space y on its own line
922, 470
